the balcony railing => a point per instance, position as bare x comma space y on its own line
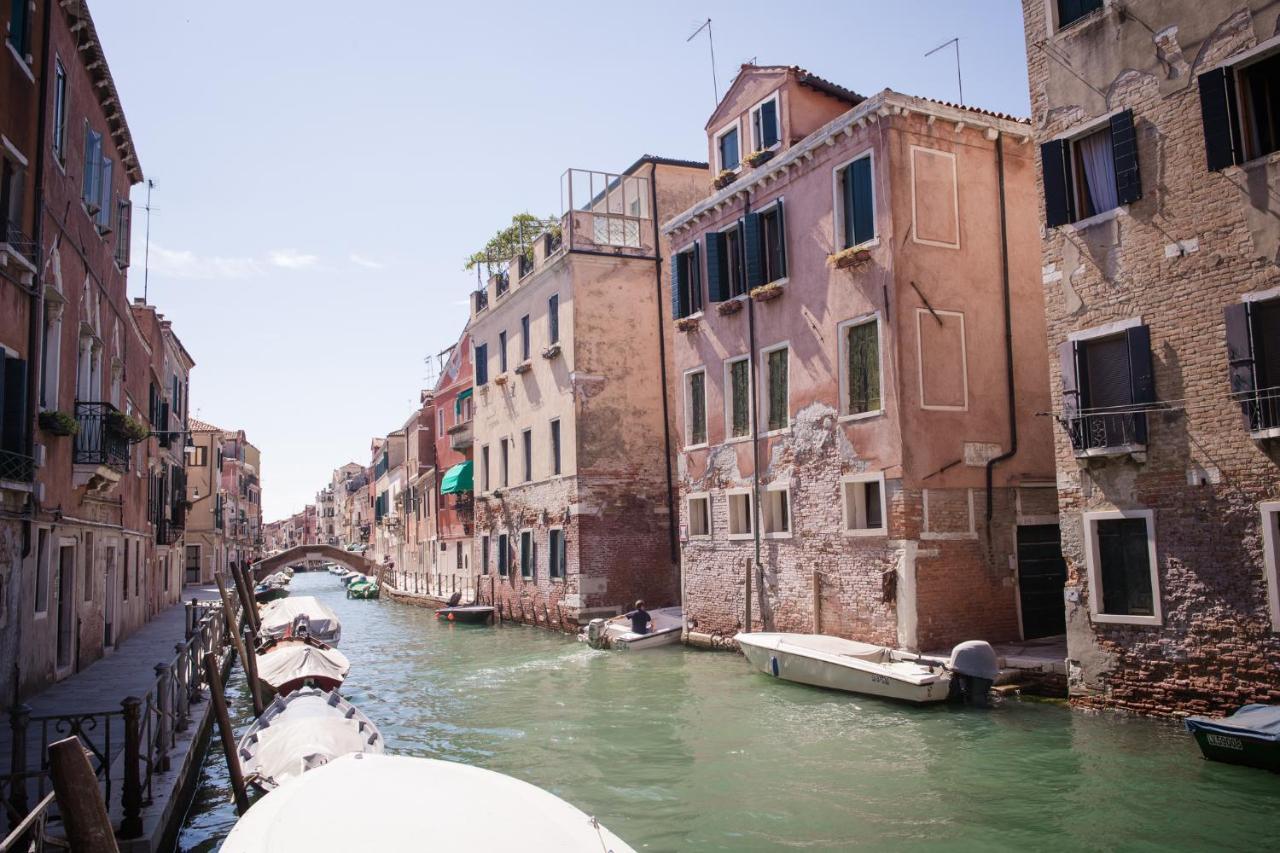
16, 467
168, 531
460, 435
503, 283
96, 442
18, 240
1107, 431
1261, 408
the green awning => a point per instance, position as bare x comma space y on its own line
457, 403
457, 479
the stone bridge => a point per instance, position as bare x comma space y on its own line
301, 553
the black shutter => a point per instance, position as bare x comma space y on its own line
164, 424
1124, 150
695, 279
1220, 116
1241, 359
717, 268
1142, 382
1070, 389
676, 287
858, 175
769, 124
482, 364
13, 405
751, 250
781, 271
1057, 186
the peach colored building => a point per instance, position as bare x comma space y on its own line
858, 336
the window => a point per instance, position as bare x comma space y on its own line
553, 319
484, 468
777, 414
124, 574
1271, 547
526, 439
20, 27
1240, 110
124, 232
764, 124
1107, 383
482, 364
528, 555
695, 408
740, 514
484, 555
104, 209
1253, 357
1120, 551
860, 383
863, 500
88, 566
42, 571
91, 188
524, 338
505, 460
699, 507
1070, 11
440, 421
504, 556
777, 510
555, 447
1092, 172
764, 246
13, 410
738, 398
555, 543
856, 206
197, 457
12, 183
727, 154
59, 111
686, 283
725, 275
502, 352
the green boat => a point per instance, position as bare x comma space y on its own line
363, 589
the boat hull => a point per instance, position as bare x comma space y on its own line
1250, 737
640, 642
474, 615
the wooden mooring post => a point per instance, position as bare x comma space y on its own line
237, 640
80, 803
817, 601
746, 616
251, 673
226, 733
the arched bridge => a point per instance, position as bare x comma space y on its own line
301, 553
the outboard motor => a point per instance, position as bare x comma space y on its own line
301, 626
595, 634
974, 667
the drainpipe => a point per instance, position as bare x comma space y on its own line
1008, 337
36, 314
662, 367
757, 568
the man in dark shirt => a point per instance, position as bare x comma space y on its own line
640, 622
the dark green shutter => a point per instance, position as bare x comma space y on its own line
1124, 150
1241, 359
717, 268
1219, 114
769, 124
751, 250
1057, 187
676, 287
13, 405
695, 279
1141, 376
1068, 361
860, 225
781, 272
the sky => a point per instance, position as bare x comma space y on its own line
322, 169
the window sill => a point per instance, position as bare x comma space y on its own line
1264, 434
777, 536
740, 537
773, 433
1116, 450
873, 243
691, 447
737, 440
862, 532
1112, 619
1097, 219
22, 61
860, 416
701, 537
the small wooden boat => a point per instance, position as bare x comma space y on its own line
300, 731
1250, 736
616, 633
467, 614
363, 589
278, 619
848, 665
315, 812
291, 663
266, 592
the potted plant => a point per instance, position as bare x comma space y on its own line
523, 367
733, 306
757, 158
851, 257
551, 351
58, 423
500, 379
128, 428
726, 177
765, 292
687, 324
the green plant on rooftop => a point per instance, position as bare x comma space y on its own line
516, 238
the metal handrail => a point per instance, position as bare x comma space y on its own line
97, 443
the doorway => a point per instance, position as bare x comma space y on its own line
66, 604
193, 564
109, 596
1042, 575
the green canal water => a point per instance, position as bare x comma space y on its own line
679, 750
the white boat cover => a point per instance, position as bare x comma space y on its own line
278, 616
486, 811
293, 661
304, 730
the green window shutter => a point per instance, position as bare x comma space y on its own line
741, 398
695, 279
1219, 115
863, 369
1124, 150
717, 268
769, 122
751, 250
782, 243
13, 405
860, 225
1057, 184
676, 287
778, 418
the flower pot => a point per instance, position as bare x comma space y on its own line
551, 351
849, 258
758, 158
500, 379
523, 367
687, 324
766, 292
58, 423
733, 306
725, 178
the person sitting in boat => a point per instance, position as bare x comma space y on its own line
640, 621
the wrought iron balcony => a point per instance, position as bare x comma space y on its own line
18, 242
168, 531
1261, 408
16, 467
97, 443
1107, 432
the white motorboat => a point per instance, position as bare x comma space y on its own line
301, 731
278, 619
841, 664
616, 633
325, 810
287, 664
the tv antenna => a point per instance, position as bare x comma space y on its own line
146, 258
959, 82
715, 86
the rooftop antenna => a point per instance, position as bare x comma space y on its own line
146, 259
959, 81
715, 86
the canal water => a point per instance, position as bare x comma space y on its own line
680, 750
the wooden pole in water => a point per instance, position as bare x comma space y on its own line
747, 600
84, 814
237, 640
817, 601
246, 599
225, 732
251, 672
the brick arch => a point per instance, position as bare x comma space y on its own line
299, 553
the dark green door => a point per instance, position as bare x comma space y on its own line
1042, 574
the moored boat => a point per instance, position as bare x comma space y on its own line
300, 731
292, 819
291, 663
840, 664
278, 618
616, 633
363, 589
1250, 736
467, 614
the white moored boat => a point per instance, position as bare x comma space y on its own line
301, 731
278, 618
841, 664
285, 665
328, 809
616, 633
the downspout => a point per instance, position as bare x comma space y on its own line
1008, 338
757, 568
672, 538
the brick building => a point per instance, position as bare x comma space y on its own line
573, 491
859, 353
452, 507
1159, 170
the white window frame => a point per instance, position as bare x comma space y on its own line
688, 409
955, 196
736, 124
852, 479
777, 118
1270, 511
921, 315
842, 355
729, 495
837, 203
783, 486
729, 438
688, 505
764, 398
1090, 520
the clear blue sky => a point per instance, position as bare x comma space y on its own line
323, 168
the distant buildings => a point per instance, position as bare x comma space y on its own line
225, 495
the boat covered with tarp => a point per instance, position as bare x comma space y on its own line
304, 816
286, 664
301, 731
279, 617
367, 588
1250, 736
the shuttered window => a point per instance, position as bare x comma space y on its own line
1070, 11
13, 405
553, 319
764, 246
1240, 111
1253, 357
777, 415
696, 408
764, 125
727, 149
482, 364
527, 439
504, 556
502, 352
1124, 565
20, 27
527, 555
484, 555
862, 368
91, 189
524, 338
555, 542
686, 283
739, 398
1107, 384
1091, 173
857, 203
